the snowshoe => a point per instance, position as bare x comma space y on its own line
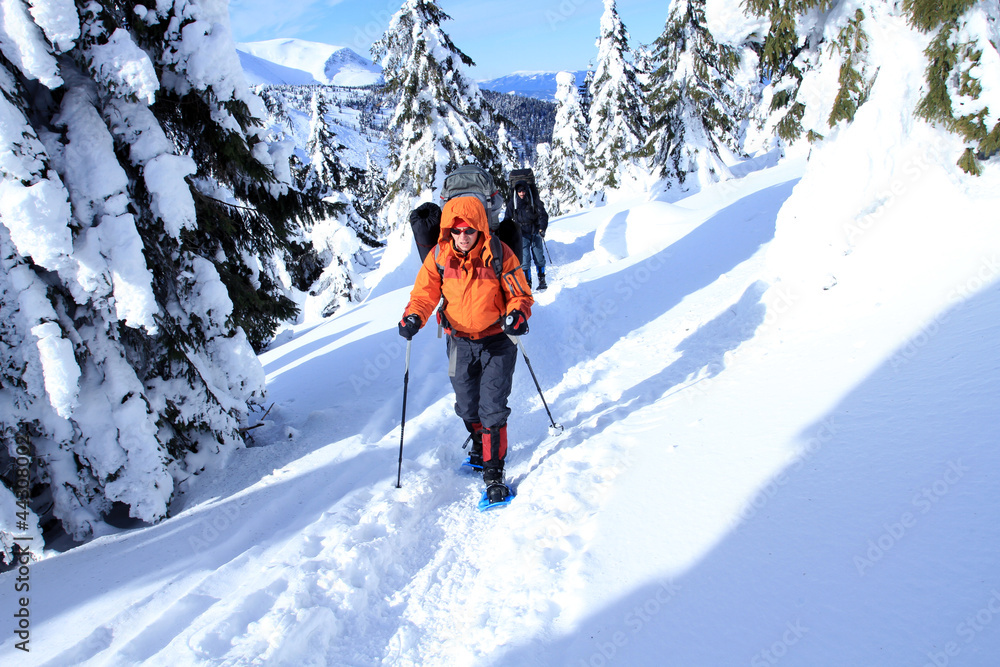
473, 461
496, 495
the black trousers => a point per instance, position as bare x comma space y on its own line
482, 372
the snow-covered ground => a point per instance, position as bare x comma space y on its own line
753, 469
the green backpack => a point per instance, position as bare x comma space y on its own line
471, 180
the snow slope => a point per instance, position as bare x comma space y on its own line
300, 62
754, 469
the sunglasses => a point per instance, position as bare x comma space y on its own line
468, 231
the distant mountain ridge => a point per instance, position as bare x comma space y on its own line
539, 85
299, 62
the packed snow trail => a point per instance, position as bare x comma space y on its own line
732, 449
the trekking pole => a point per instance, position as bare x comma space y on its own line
546, 246
402, 422
517, 341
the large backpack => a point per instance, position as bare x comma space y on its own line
471, 180
466, 181
517, 175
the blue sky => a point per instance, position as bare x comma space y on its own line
501, 37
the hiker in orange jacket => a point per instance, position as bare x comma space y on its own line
480, 312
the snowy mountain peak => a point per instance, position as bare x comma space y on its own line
300, 62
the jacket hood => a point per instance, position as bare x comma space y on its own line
468, 209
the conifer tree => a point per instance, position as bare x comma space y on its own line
543, 179
697, 102
439, 110
325, 173
584, 95
138, 209
617, 112
567, 172
955, 72
506, 151
370, 188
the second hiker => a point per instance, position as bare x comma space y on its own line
526, 209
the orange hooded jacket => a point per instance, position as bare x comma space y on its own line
475, 301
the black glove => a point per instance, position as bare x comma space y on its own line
429, 212
516, 323
408, 326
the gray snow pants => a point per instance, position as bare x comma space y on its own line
482, 372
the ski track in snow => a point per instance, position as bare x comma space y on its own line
370, 574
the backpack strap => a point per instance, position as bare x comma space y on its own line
509, 279
442, 321
496, 263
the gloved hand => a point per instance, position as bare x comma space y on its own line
428, 212
408, 326
516, 324
541, 233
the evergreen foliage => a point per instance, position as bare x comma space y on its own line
954, 90
928, 15
133, 299
438, 108
697, 106
854, 88
618, 110
953, 73
567, 174
529, 121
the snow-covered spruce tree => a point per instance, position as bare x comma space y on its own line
370, 188
567, 172
439, 113
583, 92
698, 100
506, 151
543, 179
137, 209
617, 111
325, 258
324, 173
962, 57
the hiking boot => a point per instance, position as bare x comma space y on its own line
476, 452
541, 283
492, 473
497, 493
